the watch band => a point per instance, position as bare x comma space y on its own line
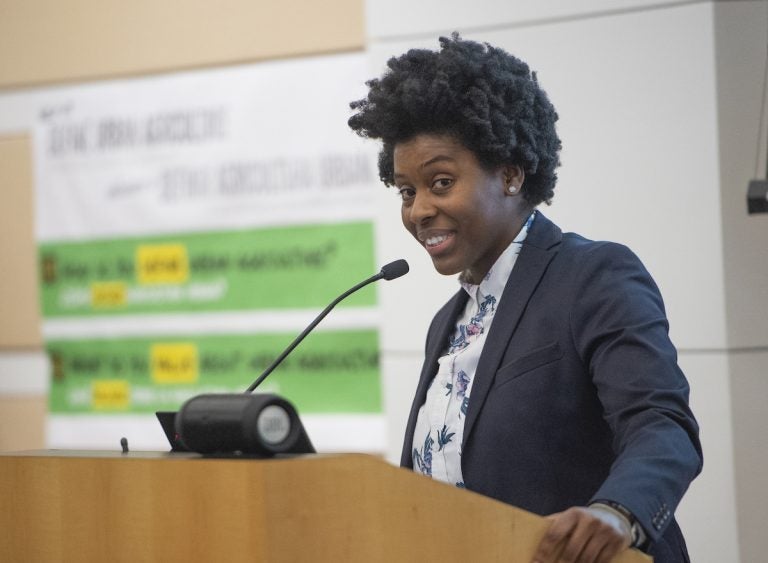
638, 537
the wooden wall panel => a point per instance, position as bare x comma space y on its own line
42, 41
19, 307
22, 422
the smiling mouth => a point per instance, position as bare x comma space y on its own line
435, 241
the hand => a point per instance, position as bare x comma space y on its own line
589, 535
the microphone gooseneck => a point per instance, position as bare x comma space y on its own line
390, 271
255, 424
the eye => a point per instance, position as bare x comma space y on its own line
442, 183
406, 193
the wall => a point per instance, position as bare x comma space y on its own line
22, 365
659, 105
44, 42
742, 72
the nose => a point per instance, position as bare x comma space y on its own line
422, 208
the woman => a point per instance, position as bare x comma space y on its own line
550, 382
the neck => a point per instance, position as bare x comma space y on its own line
476, 277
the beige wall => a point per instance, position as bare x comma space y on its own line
20, 326
44, 41
22, 411
48, 42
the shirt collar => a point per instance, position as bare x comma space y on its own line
494, 281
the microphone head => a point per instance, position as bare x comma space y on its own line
395, 269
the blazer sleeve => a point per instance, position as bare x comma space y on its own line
619, 327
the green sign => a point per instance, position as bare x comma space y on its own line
276, 268
330, 372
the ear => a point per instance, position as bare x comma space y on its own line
514, 176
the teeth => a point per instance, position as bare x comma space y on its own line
433, 241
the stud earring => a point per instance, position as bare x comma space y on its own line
512, 189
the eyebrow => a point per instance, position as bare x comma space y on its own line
438, 158
433, 160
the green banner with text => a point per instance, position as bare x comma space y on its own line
331, 372
270, 268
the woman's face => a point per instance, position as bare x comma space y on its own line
462, 214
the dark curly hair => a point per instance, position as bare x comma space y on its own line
480, 95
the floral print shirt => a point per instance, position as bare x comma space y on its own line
437, 439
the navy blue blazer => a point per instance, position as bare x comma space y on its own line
577, 395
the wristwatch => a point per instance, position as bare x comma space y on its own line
638, 537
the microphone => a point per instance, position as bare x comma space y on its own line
260, 424
394, 270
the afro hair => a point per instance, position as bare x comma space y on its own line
482, 96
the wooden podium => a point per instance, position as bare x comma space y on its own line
102, 506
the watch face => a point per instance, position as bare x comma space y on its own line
638, 535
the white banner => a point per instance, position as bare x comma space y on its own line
249, 146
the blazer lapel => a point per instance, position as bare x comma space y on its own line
539, 248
